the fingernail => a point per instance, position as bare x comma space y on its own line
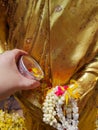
37, 84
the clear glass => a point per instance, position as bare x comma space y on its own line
30, 68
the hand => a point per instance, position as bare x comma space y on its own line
11, 79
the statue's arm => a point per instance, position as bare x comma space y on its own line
87, 81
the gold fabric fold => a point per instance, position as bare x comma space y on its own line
62, 35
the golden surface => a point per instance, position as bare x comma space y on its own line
3, 29
62, 35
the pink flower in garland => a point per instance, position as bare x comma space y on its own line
61, 90
65, 87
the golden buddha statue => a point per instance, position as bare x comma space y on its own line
63, 37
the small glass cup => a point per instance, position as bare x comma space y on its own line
30, 68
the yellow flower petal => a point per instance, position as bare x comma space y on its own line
66, 98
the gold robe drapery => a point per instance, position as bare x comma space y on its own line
62, 35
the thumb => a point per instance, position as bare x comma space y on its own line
26, 84
17, 53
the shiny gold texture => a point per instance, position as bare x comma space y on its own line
62, 35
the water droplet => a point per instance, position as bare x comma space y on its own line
73, 10
28, 40
58, 8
